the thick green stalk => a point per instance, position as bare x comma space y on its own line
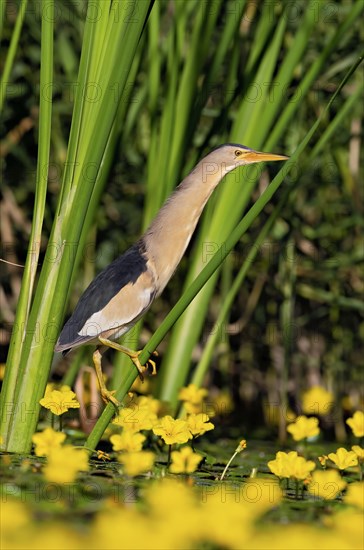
31, 264
52, 289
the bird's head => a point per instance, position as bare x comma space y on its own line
232, 155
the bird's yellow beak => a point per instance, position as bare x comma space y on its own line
258, 156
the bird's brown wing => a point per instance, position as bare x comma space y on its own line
125, 308
124, 272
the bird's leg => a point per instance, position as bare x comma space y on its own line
134, 356
107, 395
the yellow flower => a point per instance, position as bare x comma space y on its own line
301, 468
242, 505
135, 418
291, 465
355, 494
343, 458
172, 431
198, 424
52, 386
60, 401
147, 402
64, 463
49, 387
317, 400
359, 451
356, 423
304, 428
349, 525
47, 440
184, 461
141, 386
15, 519
262, 494
196, 408
177, 525
192, 393
137, 463
193, 398
127, 441
327, 484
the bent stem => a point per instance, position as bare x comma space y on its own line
169, 455
239, 449
208, 271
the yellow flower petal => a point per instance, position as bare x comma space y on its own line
343, 458
304, 428
127, 441
356, 423
192, 394
172, 431
317, 401
136, 418
137, 463
291, 465
64, 463
184, 461
59, 401
326, 484
47, 440
359, 451
355, 494
198, 424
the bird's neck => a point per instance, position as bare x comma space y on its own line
169, 234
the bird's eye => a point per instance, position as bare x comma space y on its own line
238, 153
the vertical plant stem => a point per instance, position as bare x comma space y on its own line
31, 264
169, 455
12, 48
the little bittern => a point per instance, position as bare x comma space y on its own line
118, 297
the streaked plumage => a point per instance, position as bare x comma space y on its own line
119, 295
126, 274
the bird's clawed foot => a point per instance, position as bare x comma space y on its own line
109, 397
143, 368
134, 356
